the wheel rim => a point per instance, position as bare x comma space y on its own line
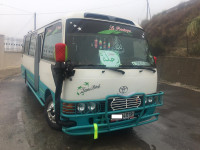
51, 112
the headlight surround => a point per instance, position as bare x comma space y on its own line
91, 106
150, 99
81, 107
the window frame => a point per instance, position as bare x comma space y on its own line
35, 36
27, 52
44, 37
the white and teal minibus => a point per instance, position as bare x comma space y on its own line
93, 73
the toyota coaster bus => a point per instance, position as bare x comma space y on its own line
93, 73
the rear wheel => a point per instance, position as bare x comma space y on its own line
26, 81
50, 113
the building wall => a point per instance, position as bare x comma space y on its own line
8, 59
12, 44
178, 69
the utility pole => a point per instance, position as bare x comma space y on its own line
148, 10
34, 21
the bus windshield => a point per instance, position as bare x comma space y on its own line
108, 44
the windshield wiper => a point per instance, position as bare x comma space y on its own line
148, 68
140, 67
113, 69
102, 67
117, 70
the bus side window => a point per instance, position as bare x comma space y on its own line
32, 45
41, 38
53, 35
27, 44
23, 45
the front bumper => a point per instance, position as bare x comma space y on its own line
85, 122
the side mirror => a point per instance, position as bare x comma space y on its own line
61, 52
155, 59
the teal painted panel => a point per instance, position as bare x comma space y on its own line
143, 115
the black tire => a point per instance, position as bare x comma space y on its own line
25, 77
26, 81
49, 113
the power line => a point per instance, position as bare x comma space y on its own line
15, 14
46, 13
22, 29
87, 9
19, 9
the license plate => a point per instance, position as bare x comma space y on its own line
127, 115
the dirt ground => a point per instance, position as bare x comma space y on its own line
9, 72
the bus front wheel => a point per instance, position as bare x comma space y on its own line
50, 113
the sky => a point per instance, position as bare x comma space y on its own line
17, 16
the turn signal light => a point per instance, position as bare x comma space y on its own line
68, 108
155, 59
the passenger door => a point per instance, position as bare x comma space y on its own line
37, 61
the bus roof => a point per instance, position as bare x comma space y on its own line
93, 16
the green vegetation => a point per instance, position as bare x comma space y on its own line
193, 29
175, 32
157, 47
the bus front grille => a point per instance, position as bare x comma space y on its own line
118, 103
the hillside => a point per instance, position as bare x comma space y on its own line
167, 31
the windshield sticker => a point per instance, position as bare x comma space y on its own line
140, 63
109, 58
81, 90
75, 26
117, 28
100, 44
117, 45
109, 32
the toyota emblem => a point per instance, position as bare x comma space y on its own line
123, 89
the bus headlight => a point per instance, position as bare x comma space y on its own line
150, 99
81, 107
91, 106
